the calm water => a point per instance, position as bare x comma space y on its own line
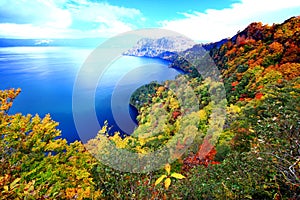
46, 76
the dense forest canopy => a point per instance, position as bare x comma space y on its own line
255, 156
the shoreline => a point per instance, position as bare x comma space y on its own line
171, 63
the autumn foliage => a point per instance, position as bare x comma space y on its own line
204, 156
34, 163
254, 156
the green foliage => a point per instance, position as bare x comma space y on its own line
143, 95
242, 68
239, 176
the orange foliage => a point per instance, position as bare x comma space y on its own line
290, 70
259, 95
260, 87
233, 84
276, 47
291, 53
230, 52
204, 156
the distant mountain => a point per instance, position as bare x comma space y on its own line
85, 42
172, 49
161, 47
166, 48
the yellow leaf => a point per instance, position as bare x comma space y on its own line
178, 176
202, 115
167, 183
168, 168
160, 179
14, 183
5, 187
251, 130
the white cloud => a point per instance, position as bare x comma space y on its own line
110, 20
214, 25
60, 19
37, 13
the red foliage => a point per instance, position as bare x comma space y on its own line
241, 40
175, 114
204, 156
259, 95
260, 87
233, 84
244, 97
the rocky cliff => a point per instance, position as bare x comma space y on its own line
164, 47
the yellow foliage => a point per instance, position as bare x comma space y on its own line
14, 183
140, 150
142, 141
119, 142
174, 104
202, 115
233, 109
225, 137
160, 179
56, 144
42, 164
177, 175
160, 137
160, 89
5, 188
167, 183
168, 168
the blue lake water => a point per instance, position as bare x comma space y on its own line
46, 76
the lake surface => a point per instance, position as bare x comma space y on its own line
46, 76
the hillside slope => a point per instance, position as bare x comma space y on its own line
257, 56
257, 152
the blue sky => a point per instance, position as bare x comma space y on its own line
201, 20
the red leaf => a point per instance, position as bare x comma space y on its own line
258, 95
233, 84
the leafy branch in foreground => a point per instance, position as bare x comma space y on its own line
168, 176
35, 163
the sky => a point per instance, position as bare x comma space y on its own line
200, 20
